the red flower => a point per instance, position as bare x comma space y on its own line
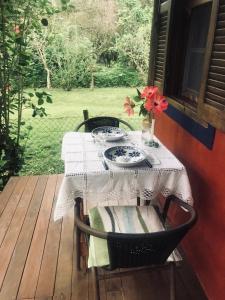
159, 104
152, 100
149, 91
129, 106
149, 104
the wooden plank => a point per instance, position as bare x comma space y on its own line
32, 268
15, 270
65, 260
46, 279
188, 279
114, 289
102, 285
80, 285
13, 232
6, 193
79, 279
10, 208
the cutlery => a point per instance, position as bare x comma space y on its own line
105, 165
148, 163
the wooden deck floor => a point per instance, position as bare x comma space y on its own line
37, 254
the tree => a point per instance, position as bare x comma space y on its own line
19, 19
133, 39
40, 43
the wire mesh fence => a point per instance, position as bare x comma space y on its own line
43, 139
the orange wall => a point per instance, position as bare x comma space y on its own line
205, 244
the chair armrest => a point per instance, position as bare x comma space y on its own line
181, 204
84, 227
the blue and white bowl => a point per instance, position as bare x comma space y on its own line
124, 156
108, 133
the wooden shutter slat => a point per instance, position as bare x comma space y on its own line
220, 24
222, 8
220, 32
162, 32
222, 2
218, 54
214, 97
159, 61
216, 91
216, 83
220, 39
217, 69
221, 17
218, 62
215, 104
159, 71
216, 76
219, 47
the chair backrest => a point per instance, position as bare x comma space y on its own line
95, 122
137, 250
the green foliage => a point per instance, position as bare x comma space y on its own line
77, 41
19, 19
133, 38
117, 76
72, 62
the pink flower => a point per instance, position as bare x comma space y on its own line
17, 29
159, 104
149, 92
129, 106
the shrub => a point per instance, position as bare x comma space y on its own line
117, 76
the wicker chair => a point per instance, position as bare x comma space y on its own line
95, 122
140, 250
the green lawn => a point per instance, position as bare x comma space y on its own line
98, 101
43, 141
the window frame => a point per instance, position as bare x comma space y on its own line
202, 112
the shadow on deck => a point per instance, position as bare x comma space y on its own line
37, 254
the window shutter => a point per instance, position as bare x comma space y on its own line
211, 106
159, 43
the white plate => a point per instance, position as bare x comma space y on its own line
124, 156
108, 133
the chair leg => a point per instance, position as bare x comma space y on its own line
172, 282
96, 283
78, 248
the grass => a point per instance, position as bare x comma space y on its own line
44, 135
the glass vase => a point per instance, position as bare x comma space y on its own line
148, 128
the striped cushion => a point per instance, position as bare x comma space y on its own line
123, 219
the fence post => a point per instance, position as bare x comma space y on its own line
85, 114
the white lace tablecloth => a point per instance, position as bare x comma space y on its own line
86, 177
